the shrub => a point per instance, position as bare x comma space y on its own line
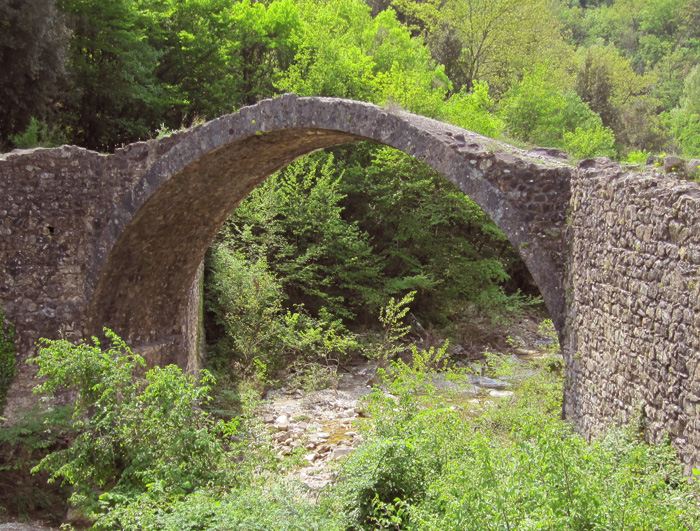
134, 434
255, 331
512, 465
637, 157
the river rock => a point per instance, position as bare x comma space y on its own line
341, 451
14, 526
500, 394
492, 383
282, 423
672, 163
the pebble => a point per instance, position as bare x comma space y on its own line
282, 423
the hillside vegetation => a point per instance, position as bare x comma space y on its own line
347, 254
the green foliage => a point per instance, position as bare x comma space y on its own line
392, 318
149, 459
273, 505
133, 434
514, 465
23, 444
114, 97
427, 235
637, 157
255, 332
683, 121
246, 301
318, 346
37, 134
473, 111
534, 110
33, 40
145, 455
8, 371
344, 52
546, 328
216, 55
488, 40
596, 141
294, 222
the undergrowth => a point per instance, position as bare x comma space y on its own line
148, 456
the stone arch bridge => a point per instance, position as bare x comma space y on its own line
90, 240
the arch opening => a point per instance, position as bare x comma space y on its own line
159, 237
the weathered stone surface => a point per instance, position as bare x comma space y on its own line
672, 163
90, 240
633, 337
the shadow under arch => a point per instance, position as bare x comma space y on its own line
149, 254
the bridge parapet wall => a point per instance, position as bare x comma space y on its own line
634, 304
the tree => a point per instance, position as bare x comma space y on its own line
535, 111
217, 55
684, 120
429, 237
114, 97
33, 40
344, 52
489, 40
294, 223
622, 98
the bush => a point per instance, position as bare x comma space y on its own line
596, 141
255, 333
134, 434
637, 157
513, 464
246, 302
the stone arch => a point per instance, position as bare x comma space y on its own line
149, 254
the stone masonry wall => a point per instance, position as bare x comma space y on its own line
54, 204
633, 337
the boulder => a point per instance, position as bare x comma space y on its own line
341, 451
692, 166
672, 163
